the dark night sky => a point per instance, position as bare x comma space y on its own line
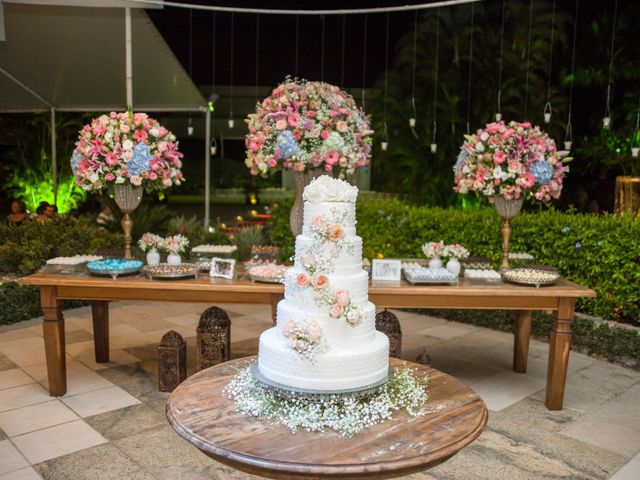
277, 42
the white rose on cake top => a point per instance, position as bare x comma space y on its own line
328, 189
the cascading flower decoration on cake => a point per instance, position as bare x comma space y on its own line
307, 125
126, 148
511, 160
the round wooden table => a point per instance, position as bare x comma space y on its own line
203, 415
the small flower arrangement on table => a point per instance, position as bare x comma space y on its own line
456, 251
176, 244
433, 249
305, 125
126, 148
151, 241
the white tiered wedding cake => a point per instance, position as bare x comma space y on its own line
325, 338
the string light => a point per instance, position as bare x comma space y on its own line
257, 55
606, 121
344, 35
547, 108
434, 145
385, 134
297, 42
412, 120
499, 112
568, 136
470, 67
526, 81
364, 60
231, 122
190, 125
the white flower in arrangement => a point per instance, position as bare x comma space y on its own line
329, 189
484, 137
127, 145
119, 180
154, 132
346, 414
479, 147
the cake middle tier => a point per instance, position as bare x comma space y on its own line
314, 299
344, 259
337, 331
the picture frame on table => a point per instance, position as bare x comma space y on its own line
222, 268
386, 270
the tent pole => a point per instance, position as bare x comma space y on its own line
207, 167
54, 155
128, 58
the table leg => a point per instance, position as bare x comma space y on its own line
100, 314
559, 348
53, 331
275, 298
521, 341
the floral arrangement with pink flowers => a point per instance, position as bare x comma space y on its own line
433, 249
454, 250
126, 148
151, 241
307, 125
305, 337
176, 244
512, 160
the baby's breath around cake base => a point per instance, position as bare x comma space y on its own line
347, 414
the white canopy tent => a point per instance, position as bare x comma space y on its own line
61, 55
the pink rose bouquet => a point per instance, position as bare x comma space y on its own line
123, 148
307, 125
433, 249
511, 160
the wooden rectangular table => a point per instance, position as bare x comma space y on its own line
559, 298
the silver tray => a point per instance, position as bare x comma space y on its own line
113, 273
169, 275
414, 277
259, 278
506, 275
287, 391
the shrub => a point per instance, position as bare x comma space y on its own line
598, 251
25, 248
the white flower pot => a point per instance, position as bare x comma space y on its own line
153, 257
454, 266
435, 262
174, 259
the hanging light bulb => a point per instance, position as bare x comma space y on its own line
384, 145
190, 128
606, 123
213, 147
412, 122
498, 117
434, 147
567, 145
231, 122
547, 113
385, 138
635, 151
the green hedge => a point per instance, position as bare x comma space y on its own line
24, 249
598, 251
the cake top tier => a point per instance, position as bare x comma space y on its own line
328, 189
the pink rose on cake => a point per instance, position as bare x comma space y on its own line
320, 281
341, 297
317, 222
336, 310
287, 328
335, 232
354, 317
313, 331
303, 279
307, 260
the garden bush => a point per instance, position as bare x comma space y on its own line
601, 252
25, 248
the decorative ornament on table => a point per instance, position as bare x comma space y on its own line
126, 152
434, 251
455, 252
508, 163
151, 243
175, 245
308, 128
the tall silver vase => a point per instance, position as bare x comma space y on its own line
507, 209
127, 197
297, 211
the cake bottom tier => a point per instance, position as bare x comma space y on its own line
337, 369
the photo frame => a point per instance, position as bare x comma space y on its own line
386, 270
222, 268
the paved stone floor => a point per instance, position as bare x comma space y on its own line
111, 424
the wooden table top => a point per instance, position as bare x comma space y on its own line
203, 415
562, 288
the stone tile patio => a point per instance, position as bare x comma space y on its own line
111, 424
